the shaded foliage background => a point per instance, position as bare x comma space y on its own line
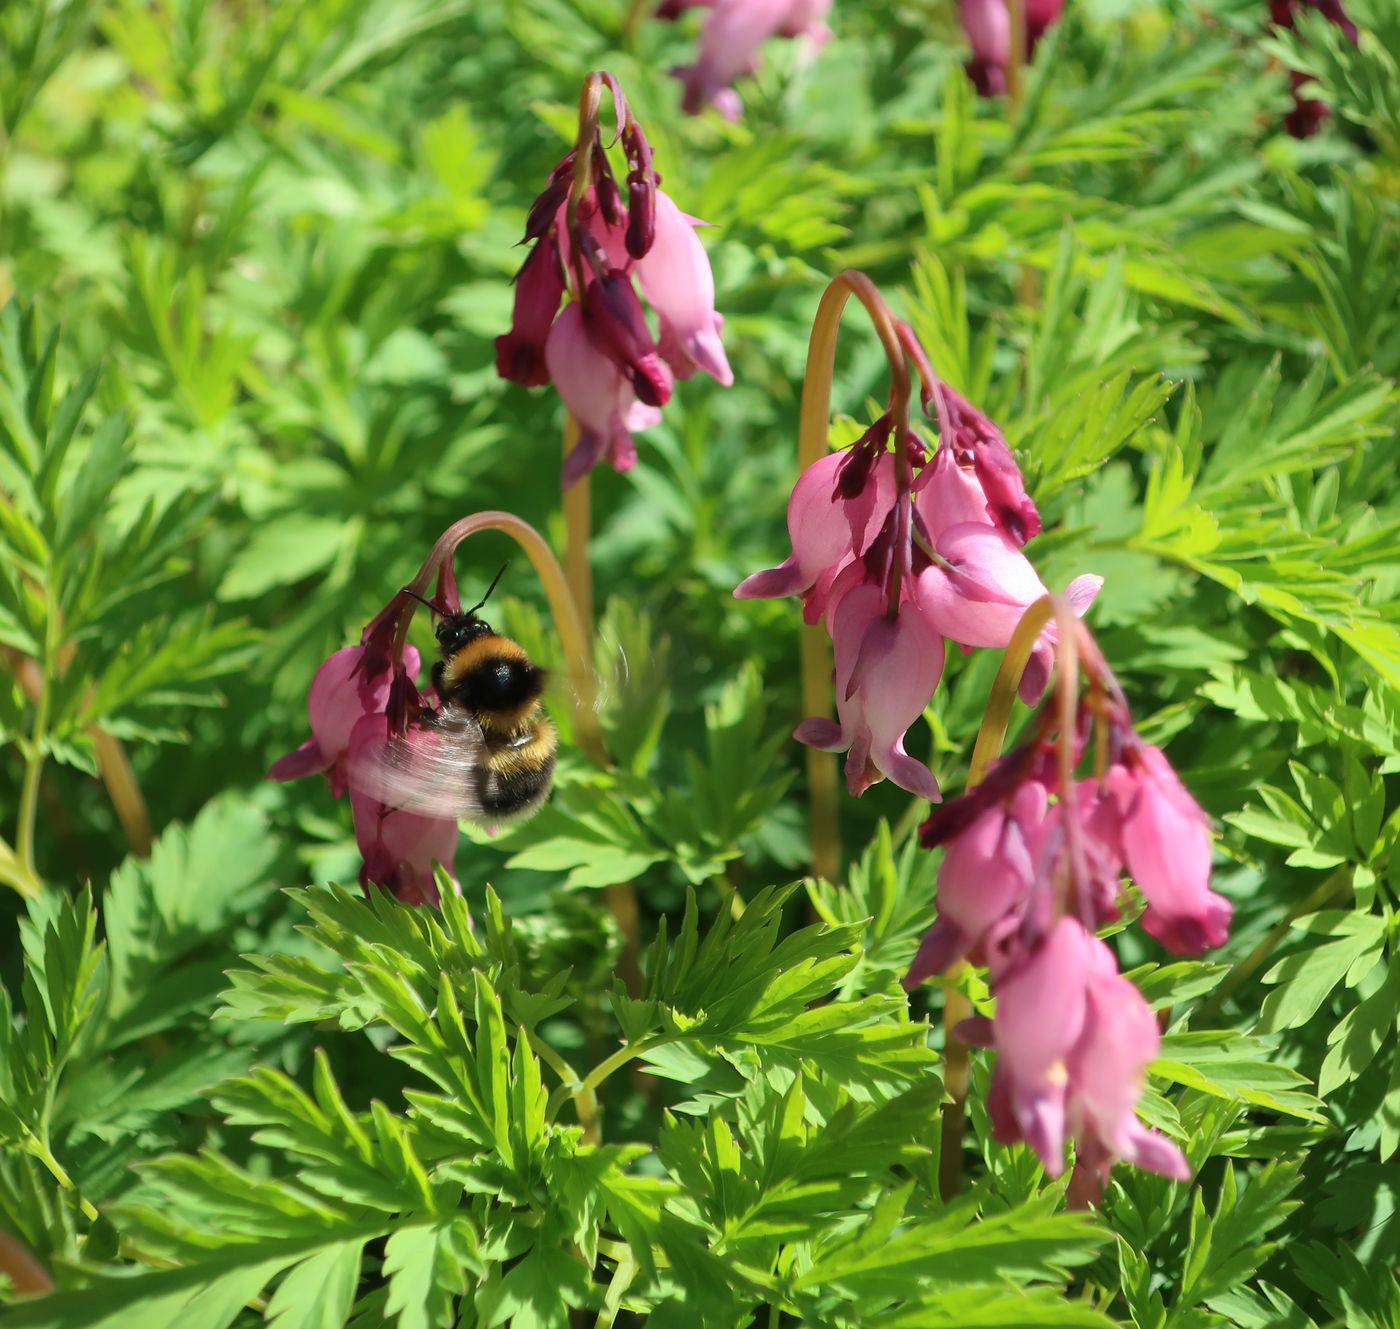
277, 242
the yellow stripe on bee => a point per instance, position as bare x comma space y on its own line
479, 652
507, 762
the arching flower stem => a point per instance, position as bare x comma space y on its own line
575, 637
813, 431
1016, 55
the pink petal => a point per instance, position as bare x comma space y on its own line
595, 393
732, 35
1041, 1003
1166, 841
679, 284
949, 495
988, 28
819, 531
308, 759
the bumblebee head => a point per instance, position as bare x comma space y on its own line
455, 630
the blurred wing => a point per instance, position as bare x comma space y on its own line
431, 770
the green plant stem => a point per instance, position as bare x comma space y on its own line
13, 873
578, 523
1016, 56
114, 768
619, 897
632, 23
585, 1099
1332, 888
40, 1149
616, 1061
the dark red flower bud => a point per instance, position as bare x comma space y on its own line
539, 285
615, 318
859, 464
971, 432
609, 198
641, 215
546, 206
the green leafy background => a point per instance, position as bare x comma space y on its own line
255, 256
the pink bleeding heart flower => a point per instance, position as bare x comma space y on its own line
1107, 1068
974, 440
1039, 1017
977, 598
986, 877
1308, 114
886, 671
825, 530
1074, 1039
678, 283
1166, 842
1100, 845
616, 323
988, 27
729, 43
398, 847
607, 240
539, 286
345, 688
948, 494
596, 393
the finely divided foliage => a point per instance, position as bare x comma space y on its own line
640, 1063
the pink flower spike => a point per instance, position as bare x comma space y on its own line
1166, 841
595, 392
677, 281
886, 671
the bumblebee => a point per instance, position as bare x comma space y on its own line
488, 754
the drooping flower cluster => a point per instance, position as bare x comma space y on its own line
898, 552
729, 42
591, 249
1307, 115
1032, 867
988, 27
358, 697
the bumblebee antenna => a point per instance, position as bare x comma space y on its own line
422, 601
490, 588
